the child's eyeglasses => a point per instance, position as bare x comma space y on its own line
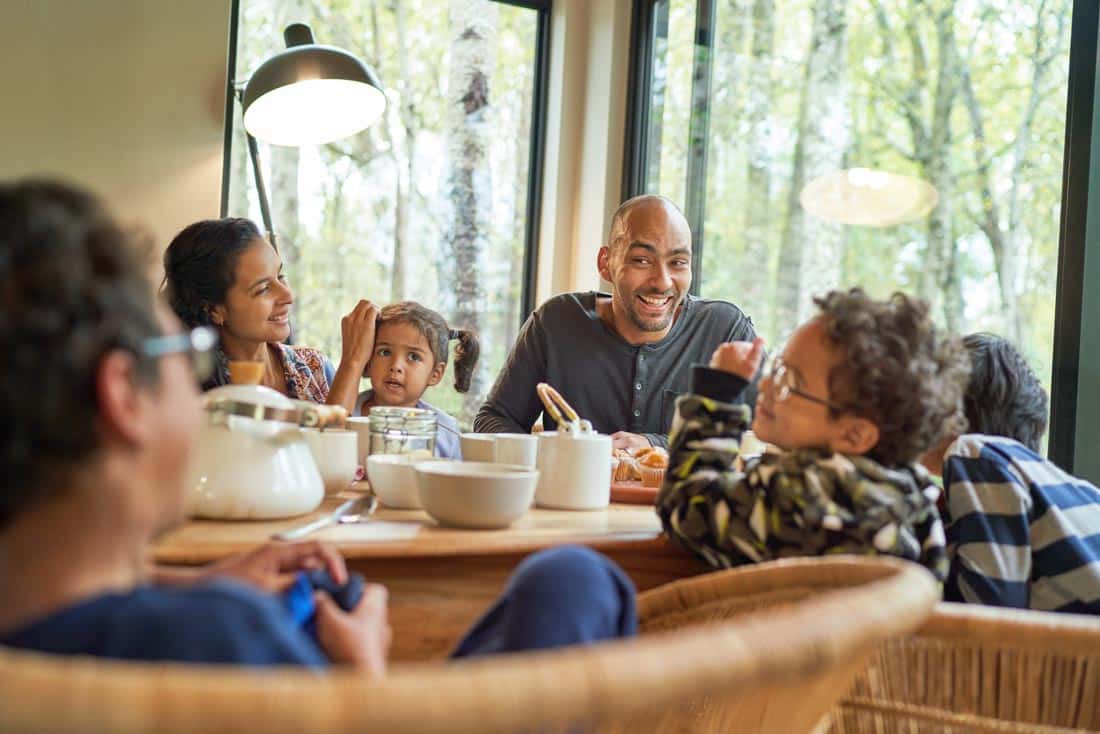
199, 344
785, 383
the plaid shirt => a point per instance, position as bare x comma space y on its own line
789, 503
1020, 531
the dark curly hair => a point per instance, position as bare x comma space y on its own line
895, 370
74, 286
200, 265
434, 328
1004, 397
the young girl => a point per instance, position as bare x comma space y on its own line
410, 355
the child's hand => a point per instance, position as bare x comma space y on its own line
357, 329
361, 637
740, 358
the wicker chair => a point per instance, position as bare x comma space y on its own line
981, 669
765, 648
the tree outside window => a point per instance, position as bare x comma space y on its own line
429, 203
969, 95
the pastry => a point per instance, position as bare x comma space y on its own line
652, 466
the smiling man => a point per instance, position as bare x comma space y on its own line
621, 358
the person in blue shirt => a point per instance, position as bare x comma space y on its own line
411, 345
101, 404
1021, 532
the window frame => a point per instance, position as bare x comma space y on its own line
537, 159
1074, 410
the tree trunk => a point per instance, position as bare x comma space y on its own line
1046, 50
823, 131
403, 150
656, 122
989, 219
284, 184
512, 317
939, 281
473, 30
758, 104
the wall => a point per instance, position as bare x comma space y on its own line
589, 68
124, 96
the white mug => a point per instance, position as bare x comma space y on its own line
521, 449
478, 447
361, 426
573, 471
336, 454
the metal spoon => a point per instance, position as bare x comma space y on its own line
363, 514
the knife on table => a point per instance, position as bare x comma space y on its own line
352, 506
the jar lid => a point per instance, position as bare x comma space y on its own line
393, 411
407, 420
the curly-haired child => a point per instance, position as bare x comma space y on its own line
410, 355
858, 394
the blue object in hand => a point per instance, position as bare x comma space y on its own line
298, 599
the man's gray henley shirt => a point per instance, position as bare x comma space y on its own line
616, 385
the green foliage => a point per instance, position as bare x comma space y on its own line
894, 67
348, 190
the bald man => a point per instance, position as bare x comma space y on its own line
622, 358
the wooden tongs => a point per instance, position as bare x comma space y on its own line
562, 412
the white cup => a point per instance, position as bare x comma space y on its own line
520, 449
361, 426
573, 471
478, 447
336, 454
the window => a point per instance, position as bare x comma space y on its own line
436, 202
745, 102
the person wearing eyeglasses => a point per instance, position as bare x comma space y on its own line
101, 405
860, 392
223, 274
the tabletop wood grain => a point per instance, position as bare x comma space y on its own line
404, 533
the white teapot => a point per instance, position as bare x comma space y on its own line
251, 460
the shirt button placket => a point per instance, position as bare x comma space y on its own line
637, 396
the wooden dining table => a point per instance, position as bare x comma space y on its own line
441, 579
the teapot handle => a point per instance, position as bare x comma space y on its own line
313, 415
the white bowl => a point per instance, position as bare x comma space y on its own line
475, 494
392, 478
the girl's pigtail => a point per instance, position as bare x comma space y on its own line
466, 356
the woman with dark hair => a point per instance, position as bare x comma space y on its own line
223, 273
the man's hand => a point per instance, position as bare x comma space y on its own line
624, 440
272, 567
740, 358
361, 637
357, 330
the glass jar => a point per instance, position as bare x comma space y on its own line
401, 430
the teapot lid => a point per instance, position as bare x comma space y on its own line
254, 394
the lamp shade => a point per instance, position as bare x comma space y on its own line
870, 198
310, 94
